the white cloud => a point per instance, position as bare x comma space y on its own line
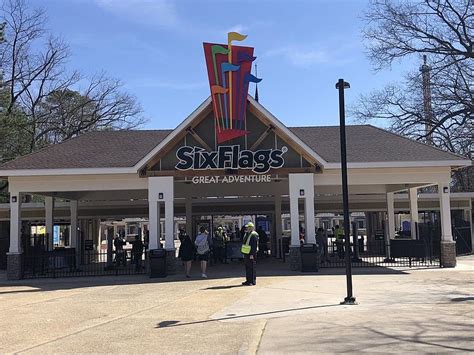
238, 28
301, 57
152, 12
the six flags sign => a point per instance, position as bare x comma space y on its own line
229, 68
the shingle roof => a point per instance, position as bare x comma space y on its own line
366, 143
104, 149
120, 149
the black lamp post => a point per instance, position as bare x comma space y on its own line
341, 85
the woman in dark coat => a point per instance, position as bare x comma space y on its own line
186, 252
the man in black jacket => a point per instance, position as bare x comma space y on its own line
249, 250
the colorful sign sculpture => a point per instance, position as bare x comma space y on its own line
229, 68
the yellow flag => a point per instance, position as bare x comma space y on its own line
234, 36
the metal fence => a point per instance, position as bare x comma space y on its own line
423, 251
39, 262
66, 263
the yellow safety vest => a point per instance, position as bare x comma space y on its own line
246, 248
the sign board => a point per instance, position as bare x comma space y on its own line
233, 250
379, 234
228, 69
230, 157
88, 244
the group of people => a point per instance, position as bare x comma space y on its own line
136, 254
201, 247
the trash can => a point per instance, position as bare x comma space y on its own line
157, 263
309, 257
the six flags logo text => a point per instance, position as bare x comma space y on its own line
230, 157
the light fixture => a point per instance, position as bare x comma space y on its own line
301, 192
160, 196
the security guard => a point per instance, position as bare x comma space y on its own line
249, 250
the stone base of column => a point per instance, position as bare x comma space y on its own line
448, 254
14, 266
295, 258
171, 262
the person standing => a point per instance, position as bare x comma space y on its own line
262, 242
137, 252
339, 235
203, 247
249, 250
322, 241
218, 245
186, 252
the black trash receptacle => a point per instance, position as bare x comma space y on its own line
309, 257
157, 259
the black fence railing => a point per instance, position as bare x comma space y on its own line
66, 263
422, 251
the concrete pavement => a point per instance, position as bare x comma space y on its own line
400, 310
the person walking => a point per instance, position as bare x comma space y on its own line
249, 250
203, 247
187, 251
137, 252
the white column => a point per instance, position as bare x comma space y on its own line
15, 223
309, 215
153, 224
413, 194
445, 212
391, 215
278, 228
161, 189
294, 221
189, 216
302, 186
73, 235
169, 223
49, 219
470, 219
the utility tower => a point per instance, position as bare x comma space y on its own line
428, 110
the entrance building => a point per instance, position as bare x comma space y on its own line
165, 178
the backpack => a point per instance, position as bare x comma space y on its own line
202, 244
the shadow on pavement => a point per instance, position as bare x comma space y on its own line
265, 268
174, 323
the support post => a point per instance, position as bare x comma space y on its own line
301, 186
49, 220
390, 233
73, 240
413, 194
448, 245
341, 85
189, 216
161, 192
278, 229
15, 256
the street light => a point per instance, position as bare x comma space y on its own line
341, 85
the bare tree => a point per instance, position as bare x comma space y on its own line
48, 95
443, 30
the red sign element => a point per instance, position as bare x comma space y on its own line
229, 77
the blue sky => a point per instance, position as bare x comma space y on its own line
155, 48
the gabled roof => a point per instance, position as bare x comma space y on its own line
128, 151
369, 144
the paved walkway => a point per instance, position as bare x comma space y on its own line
399, 311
